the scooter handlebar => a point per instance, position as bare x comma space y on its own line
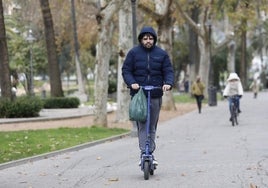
147, 88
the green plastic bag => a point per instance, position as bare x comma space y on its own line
138, 107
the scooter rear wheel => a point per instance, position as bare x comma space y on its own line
146, 170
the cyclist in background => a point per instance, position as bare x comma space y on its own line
233, 87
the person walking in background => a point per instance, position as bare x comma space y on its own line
186, 85
198, 92
148, 64
255, 87
232, 88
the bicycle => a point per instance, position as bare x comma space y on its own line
234, 109
147, 158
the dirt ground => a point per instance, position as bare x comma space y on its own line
164, 115
87, 121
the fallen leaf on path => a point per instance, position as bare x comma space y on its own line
252, 185
113, 179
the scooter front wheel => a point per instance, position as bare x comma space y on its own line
146, 170
151, 172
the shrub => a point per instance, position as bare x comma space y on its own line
4, 107
112, 86
61, 102
24, 106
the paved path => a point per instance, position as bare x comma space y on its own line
193, 151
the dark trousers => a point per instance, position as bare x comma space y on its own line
154, 115
199, 99
236, 101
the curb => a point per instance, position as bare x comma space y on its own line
23, 120
55, 153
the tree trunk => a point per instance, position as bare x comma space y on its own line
53, 66
243, 63
204, 62
101, 79
165, 29
4, 63
204, 43
231, 57
231, 45
125, 39
193, 48
165, 37
104, 19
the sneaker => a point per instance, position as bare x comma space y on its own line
155, 162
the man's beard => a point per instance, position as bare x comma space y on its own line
148, 45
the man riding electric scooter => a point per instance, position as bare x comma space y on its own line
147, 64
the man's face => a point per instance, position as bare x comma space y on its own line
147, 41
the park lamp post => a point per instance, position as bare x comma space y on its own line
134, 131
30, 38
209, 25
210, 79
212, 93
134, 23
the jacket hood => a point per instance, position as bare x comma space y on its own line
233, 76
145, 30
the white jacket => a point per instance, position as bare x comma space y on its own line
233, 88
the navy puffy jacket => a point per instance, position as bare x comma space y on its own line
148, 66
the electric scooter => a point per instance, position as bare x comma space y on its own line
147, 165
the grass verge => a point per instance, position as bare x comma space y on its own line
21, 144
16, 145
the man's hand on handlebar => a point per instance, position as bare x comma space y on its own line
135, 86
166, 87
